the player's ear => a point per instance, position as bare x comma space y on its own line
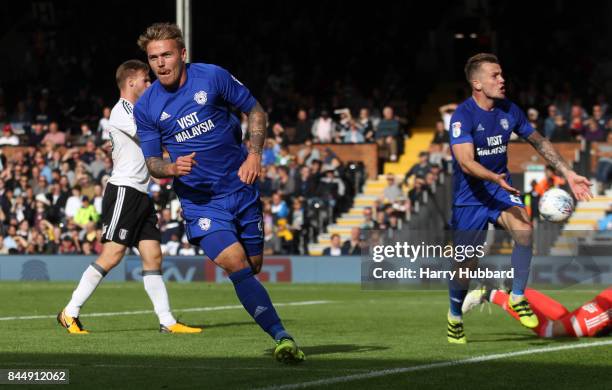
476, 85
184, 54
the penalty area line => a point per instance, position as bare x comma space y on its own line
137, 312
450, 363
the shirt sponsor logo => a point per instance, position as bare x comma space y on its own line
200, 97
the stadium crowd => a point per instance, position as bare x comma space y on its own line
53, 177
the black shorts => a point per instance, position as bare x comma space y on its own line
128, 216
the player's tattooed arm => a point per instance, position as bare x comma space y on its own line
257, 129
548, 152
579, 185
251, 167
160, 168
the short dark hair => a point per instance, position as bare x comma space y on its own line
128, 69
474, 62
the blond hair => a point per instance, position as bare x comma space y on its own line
161, 32
129, 69
473, 64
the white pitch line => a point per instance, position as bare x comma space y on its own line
450, 363
136, 312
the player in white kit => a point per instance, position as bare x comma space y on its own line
128, 216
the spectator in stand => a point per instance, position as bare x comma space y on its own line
605, 223
103, 126
353, 135
365, 125
303, 128
307, 154
549, 122
265, 183
86, 135
561, 132
416, 193
286, 184
336, 247
446, 112
108, 169
54, 136
324, 128
354, 245
186, 249
593, 132
420, 169
74, 202
344, 124
533, 116
8, 138
97, 199
386, 135
172, 246
392, 192
278, 134
89, 155
86, 213
306, 184
270, 151
37, 134
600, 117
550, 180
369, 222
3, 249
439, 149
576, 122
297, 224
279, 207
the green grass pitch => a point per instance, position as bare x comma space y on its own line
354, 332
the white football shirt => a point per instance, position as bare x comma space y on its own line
129, 167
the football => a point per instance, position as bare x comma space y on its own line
556, 205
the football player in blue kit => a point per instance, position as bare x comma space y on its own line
482, 189
187, 112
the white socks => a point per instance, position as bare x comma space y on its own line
89, 281
153, 284
155, 287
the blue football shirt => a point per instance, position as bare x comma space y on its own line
489, 131
197, 118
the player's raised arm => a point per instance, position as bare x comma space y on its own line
579, 184
251, 167
464, 154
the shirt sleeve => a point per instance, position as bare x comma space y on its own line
149, 135
523, 128
460, 129
233, 91
124, 123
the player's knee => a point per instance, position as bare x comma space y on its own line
232, 259
523, 235
256, 263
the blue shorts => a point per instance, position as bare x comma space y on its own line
470, 223
236, 217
